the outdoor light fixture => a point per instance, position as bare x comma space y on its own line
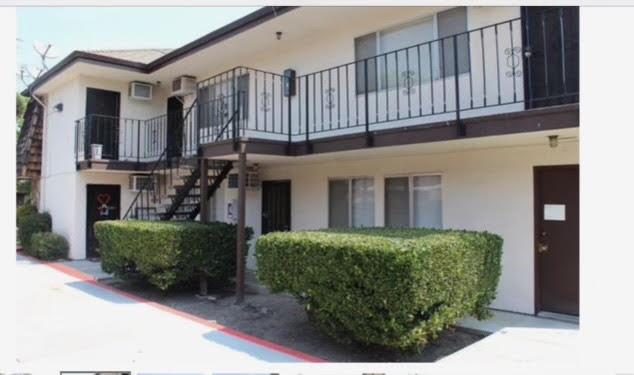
59, 107
278, 35
553, 140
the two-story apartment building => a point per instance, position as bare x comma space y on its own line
447, 117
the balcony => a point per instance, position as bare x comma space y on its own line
503, 69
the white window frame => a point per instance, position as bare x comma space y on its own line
349, 179
410, 194
434, 17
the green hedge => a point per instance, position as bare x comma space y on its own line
30, 224
396, 288
167, 254
49, 246
23, 211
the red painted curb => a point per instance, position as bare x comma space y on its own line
228, 331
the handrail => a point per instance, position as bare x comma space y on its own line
146, 184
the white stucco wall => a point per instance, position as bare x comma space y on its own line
78, 240
490, 82
58, 167
63, 187
488, 189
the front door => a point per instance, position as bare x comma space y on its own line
174, 126
557, 239
551, 58
276, 206
102, 122
103, 203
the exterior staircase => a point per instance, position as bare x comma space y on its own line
173, 191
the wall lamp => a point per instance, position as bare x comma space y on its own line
59, 107
553, 140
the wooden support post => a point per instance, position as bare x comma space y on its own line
204, 190
204, 212
241, 245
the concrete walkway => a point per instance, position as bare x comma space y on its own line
519, 340
66, 320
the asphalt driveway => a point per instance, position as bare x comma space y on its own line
66, 320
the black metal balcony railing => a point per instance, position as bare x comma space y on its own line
177, 133
498, 68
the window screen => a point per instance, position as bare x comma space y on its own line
451, 22
427, 201
363, 202
397, 202
338, 204
351, 203
365, 47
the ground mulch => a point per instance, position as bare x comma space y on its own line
278, 318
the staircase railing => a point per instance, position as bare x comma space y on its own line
195, 175
149, 189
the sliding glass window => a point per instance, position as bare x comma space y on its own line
414, 201
351, 203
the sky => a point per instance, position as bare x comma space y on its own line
81, 28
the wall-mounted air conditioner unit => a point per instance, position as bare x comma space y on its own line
140, 91
139, 181
183, 85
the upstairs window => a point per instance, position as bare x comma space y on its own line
388, 65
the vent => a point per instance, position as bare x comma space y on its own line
253, 179
140, 91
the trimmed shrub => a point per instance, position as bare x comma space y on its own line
24, 210
31, 224
168, 254
49, 246
395, 288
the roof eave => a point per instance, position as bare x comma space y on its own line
250, 20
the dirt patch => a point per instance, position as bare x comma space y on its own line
278, 318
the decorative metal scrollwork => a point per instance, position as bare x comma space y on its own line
265, 101
513, 59
408, 77
329, 98
223, 107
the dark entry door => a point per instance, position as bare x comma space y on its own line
103, 203
557, 239
174, 126
276, 206
102, 121
551, 35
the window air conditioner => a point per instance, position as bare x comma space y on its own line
183, 85
140, 91
139, 181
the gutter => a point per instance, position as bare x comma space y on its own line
245, 23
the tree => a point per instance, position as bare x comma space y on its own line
20, 108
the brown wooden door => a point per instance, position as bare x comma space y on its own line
103, 203
276, 206
557, 239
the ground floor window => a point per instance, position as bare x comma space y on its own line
413, 201
351, 202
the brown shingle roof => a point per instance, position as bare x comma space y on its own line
136, 55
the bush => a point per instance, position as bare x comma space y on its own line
23, 211
31, 224
49, 246
167, 254
395, 288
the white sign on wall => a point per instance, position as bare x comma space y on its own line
555, 212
